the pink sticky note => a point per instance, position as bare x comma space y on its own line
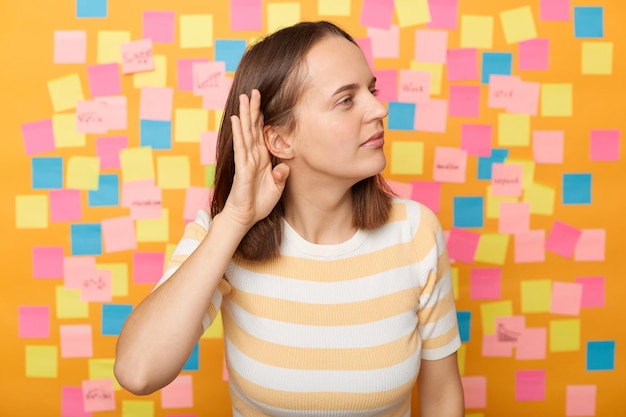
563, 239
118, 234
509, 329
159, 26
145, 201
185, 72
475, 391
580, 400
38, 137
401, 189
148, 267
104, 80
377, 13
591, 245
531, 344
506, 179
216, 98
462, 245
368, 49
65, 205
494, 348
178, 394
208, 77
450, 164
444, 14
156, 103
525, 100
98, 394
554, 10
485, 283
196, 198
593, 291
530, 246
208, 148
566, 298
137, 56
76, 341
431, 46
464, 101
97, 287
530, 385
548, 146
462, 64
476, 139
427, 193
108, 150
76, 269
502, 90
33, 321
385, 41
131, 188
117, 111
534, 54
604, 145
48, 262
414, 86
431, 116
72, 404
246, 15
91, 117
387, 84
70, 46
514, 217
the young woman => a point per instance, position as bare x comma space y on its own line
334, 295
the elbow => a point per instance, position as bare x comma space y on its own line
131, 378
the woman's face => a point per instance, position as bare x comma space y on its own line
339, 120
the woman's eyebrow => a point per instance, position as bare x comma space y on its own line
351, 86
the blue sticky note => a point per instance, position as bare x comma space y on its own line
91, 8
86, 239
113, 318
401, 116
601, 355
499, 63
47, 173
230, 51
192, 363
469, 211
485, 162
588, 22
464, 318
577, 188
155, 133
107, 194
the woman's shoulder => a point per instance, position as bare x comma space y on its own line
415, 213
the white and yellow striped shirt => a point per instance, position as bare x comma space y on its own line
335, 330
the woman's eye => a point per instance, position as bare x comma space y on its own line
347, 100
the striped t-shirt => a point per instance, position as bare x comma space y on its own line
334, 330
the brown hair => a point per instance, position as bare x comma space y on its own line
274, 66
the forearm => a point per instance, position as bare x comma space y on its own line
439, 388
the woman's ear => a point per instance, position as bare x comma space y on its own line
277, 142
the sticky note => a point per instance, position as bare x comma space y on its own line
229, 51
208, 77
444, 14
591, 245
556, 100
412, 12
564, 335
427, 193
119, 277
137, 56
492, 248
41, 361
401, 116
153, 230
173, 171
485, 283
83, 172
72, 403
493, 347
192, 363
464, 318
377, 13
185, 72
513, 129
407, 158
196, 30
91, 117
577, 188
552, 10
69, 304
464, 101
593, 291
31, 211
104, 79
588, 21
116, 114
47, 261
401, 189
385, 42
518, 24
281, 15
450, 165
548, 146
70, 47
108, 150
476, 31
534, 55
38, 137
496, 63
155, 134
107, 194
216, 99
66, 134
138, 408
431, 116
47, 172
196, 198
431, 46
208, 148
91, 8
119, 234
502, 91
494, 203
33, 321
156, 103
462, 245
329, 8
475, 391
248, 14
154, 78
178, 393
86, 239
98, 395
476, 139
102, 368
143, 198
506, 179
530, 385
113, 318
109, 44
541, 198
148, 267
580, 400
491, 310
386, 84
532, 344
600, 355
76, 268
597, 58
462, 64
65, 205
605, 145
563, 239
158, 25
65, 92
137, 164
566, 298
76, 341
536, 296
468, 211
189, 124
514, 217
526, 101
97, 287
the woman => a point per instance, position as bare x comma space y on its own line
334, 294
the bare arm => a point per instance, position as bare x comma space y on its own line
439, 388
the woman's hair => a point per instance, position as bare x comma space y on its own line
275, 66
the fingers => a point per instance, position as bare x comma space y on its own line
250, 117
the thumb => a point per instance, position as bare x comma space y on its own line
280, 174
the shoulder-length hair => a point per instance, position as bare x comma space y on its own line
274, 66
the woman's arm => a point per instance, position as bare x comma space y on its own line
439, 388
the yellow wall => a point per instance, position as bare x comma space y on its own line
36, 370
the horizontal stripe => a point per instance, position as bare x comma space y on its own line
430, 315
442, 333
441, 340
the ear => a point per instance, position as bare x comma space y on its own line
277, 142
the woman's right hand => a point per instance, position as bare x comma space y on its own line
256, 186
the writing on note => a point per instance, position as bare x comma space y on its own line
137, 56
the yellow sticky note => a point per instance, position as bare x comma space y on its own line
556, 100
65, 92
209, 176
153, 230
155, 78
454, 273
412, 12
41, 362
528, 171
280, 15
334, 7
103, 369
476, 32
189, 124
541, 199
196, 31
137, 164
218, 115
597, 58
109, 45
491, 310
518, 24
407, 158
461, 353
119, 277
564, 335
173, 172
494, 201
31, 211
513, 129
65, 134
216, 329
137, 408
436, 74
492, 248
536, 296
83, 173
69, 304
474, 415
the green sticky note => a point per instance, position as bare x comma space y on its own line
137, 408
407, 158
556, 100
541, 199
536, 296
69, 304
41, 361
564, 335
492, 248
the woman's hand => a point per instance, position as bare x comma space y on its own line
256, 186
